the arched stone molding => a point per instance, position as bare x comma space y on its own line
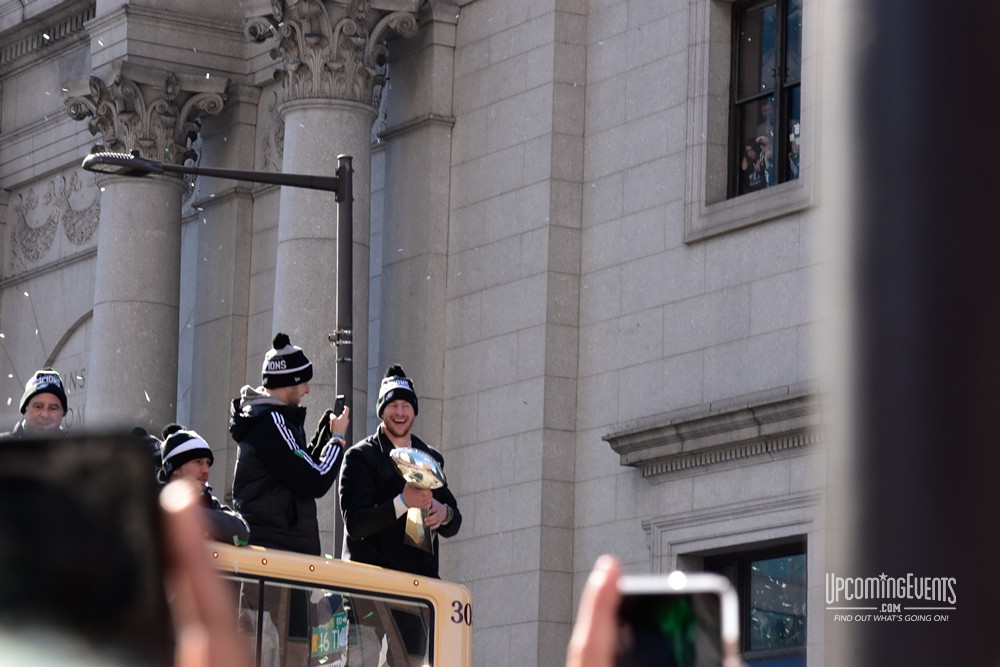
66, 357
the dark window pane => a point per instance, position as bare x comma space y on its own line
313, 627
757, 51
793, 41
777, 603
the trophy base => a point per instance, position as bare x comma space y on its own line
417, 534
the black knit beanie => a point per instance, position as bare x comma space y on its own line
285, 364
182, 446
396, 386
45, 381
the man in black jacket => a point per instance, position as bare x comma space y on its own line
374, 497
186, 455
279, 474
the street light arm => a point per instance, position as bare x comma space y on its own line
121, 163
133, 165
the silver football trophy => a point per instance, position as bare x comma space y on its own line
422, 470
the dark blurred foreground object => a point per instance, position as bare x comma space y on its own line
81, 560
925, 482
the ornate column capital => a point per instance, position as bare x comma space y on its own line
334, 49
146, 109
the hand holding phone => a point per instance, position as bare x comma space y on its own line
677, 620
339, 417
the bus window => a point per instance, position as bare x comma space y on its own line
294, 625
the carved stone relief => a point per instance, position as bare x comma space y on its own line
65, 202
273, 133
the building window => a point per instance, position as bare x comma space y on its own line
772, 587
752, 59
767, 102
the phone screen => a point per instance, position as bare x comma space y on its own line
670, 629
81, 559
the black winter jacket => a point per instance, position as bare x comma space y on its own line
224, 523
278, 474
373, 534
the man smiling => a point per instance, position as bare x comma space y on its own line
43, 405
374, 497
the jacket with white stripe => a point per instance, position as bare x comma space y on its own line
279, 474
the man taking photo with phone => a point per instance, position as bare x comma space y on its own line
279, 473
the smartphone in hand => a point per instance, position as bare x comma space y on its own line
677, 620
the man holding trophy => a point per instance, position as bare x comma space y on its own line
395, 504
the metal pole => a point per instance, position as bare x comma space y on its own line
345, 285
342, 337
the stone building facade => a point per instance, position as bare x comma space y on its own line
614, 353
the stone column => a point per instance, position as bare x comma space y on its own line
415, 222
333, 58
133, 356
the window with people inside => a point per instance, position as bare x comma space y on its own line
766, 103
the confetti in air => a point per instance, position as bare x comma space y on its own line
147, 395
45, 35
8, 400
25, 294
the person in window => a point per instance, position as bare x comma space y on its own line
793, 150
765, 128
43, 405
752, 167
187, 456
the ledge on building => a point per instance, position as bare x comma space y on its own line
762, 423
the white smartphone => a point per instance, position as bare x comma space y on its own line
678, 620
